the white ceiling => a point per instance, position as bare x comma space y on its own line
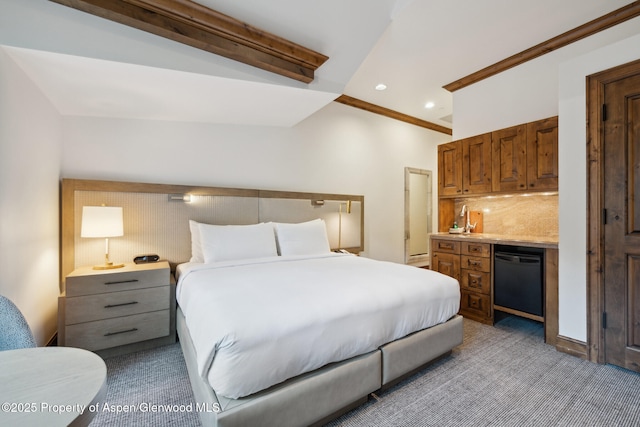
99, 68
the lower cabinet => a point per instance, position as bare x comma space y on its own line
470, 264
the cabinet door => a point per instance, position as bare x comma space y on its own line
476, 164
542, 154
509, 170
448, 264
475, 306
477, 281
450, 169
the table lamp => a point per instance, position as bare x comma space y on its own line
104, 222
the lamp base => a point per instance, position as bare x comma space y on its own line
107, 266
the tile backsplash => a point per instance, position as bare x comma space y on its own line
534, 214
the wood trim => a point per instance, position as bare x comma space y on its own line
595, 205
595, 233
609, 20
70, 186
551, 310
373, 108
519, 313
188, 22
573, 347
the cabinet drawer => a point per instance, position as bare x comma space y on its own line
108, 333
475, 263
478, 281
475, 304
89, 282
116, 304
446, 246
476, 249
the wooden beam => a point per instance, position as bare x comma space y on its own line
609, 20
195, 25
373, 108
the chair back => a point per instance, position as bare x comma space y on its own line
15, 332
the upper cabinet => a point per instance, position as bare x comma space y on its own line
476, 164
464, 167
519, 158
450, 169
542, 154
509, 159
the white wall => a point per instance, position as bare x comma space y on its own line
573, 154
550, 85
29, 169
337, 150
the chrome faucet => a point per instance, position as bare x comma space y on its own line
467, 226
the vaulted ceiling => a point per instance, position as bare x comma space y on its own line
87, 65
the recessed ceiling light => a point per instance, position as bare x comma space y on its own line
429, 105
381, 86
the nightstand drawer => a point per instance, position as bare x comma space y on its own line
87, 281
118, 331
115, 304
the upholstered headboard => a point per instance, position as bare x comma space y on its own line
156, 217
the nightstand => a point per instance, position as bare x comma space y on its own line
118, 311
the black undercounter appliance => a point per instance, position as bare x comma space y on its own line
518, 279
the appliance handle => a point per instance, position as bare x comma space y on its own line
507, 257
526, 259
514, 259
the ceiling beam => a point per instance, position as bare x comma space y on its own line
195, 25
373, 108
609, 20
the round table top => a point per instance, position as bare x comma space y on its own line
50, 386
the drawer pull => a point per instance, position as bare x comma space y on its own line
108, 334
121, 281
120, 305
446, 245
475, 263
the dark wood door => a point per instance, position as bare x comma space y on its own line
622, 222
509, 169
476, 164
450, 169
542, 154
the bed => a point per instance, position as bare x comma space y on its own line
278, 330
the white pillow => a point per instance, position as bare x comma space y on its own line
231, 242
305, 238
196, 246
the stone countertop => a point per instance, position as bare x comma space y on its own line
550, 242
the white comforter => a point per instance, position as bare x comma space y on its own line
256, 323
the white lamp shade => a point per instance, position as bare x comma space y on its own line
101, 221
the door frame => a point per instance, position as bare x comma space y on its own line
595, 204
